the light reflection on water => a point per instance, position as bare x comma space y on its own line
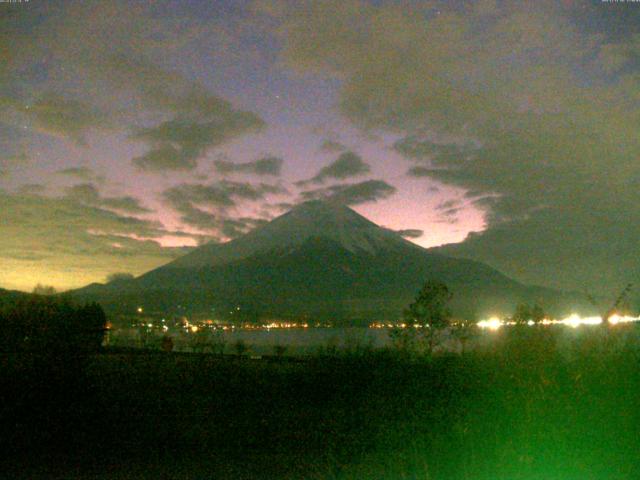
309, 341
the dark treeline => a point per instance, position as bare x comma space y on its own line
46, 346
46, 324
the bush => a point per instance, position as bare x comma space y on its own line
50, 324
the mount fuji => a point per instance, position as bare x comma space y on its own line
321, 261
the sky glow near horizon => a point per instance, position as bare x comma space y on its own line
133, 131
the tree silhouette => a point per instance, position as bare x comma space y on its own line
522, 314
429, 314
537, 313
51, 325
41, 289
525, 313
430, 308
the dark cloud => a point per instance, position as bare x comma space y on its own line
352, 193
52, 113
548, 249
224, 193
234, 227
88, 194
182, 198
449, 217
474, 194
219, 223
410, 233
263, 166
279, 207
68, 243
125, 204
449, 210
62, 117
179, 143
85, 193
83, 173
194, 216
419, 171
96, 66
331, 146
533, 114
199, 120
165, 157
205, 207
348, 164
416, 148
448, 204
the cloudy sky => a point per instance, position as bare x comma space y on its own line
133, 131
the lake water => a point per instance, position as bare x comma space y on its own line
298, 341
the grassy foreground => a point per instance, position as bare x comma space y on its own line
537, 404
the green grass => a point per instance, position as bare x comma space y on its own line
548, 404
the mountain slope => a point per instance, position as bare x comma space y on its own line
320, 261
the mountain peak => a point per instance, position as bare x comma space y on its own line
324, 213
316, 218
326, 206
